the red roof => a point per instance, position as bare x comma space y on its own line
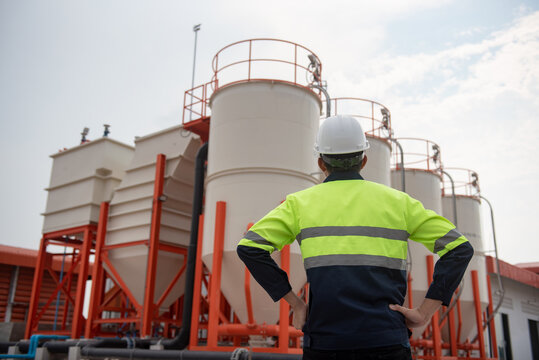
514, 272
531, 266
12, 255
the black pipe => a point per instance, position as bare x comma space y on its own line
4, 346
62, 347
182, 339
181, 354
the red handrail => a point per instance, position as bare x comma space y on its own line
196, 100
419, 154
466, 183
369, 113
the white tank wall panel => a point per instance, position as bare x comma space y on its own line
469, 224
378, 166
131, 209
82, 161
260, 149
425, 187
83, 176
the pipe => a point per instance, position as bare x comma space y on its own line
181, 354
328, 99
454, 197
34, 342
182, 339
500, 284
403, 181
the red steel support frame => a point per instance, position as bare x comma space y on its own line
142, 315
149, 306
214, 306
81, 253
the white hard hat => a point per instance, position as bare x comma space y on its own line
340, 134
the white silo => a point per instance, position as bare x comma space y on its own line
422, 165
469, 224
375, 120
262, 135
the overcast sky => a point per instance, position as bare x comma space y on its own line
462, 73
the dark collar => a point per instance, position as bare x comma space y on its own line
344, 175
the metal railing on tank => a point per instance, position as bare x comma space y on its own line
419, 154
466, 183
374, 117
252, 60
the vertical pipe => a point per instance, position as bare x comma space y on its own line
477, 305
36, 287
76, 328
284, 308
149, 292
197, 287
56, 308
97, 273
492, 325
454, 197
215, 286
69, 285
11, 295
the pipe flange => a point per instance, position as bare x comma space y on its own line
237, 354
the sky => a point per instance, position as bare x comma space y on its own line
462, 73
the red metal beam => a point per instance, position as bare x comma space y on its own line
477, 305
78, 318
195, 313
97, 271
34, 300
215, 286
151, 271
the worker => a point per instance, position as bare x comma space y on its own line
353, 238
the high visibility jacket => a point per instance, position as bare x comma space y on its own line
353, 238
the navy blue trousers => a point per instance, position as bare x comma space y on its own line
394, 352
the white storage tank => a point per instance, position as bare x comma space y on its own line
262, 135
82, 177
422, 165
469, 224
131, 209
375, 120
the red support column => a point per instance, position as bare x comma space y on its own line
97, 270
148, 312
477, 304
284, 308
197, 288
78, 319
215, 286
34, 299
452, 335
436, 335
493, 340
